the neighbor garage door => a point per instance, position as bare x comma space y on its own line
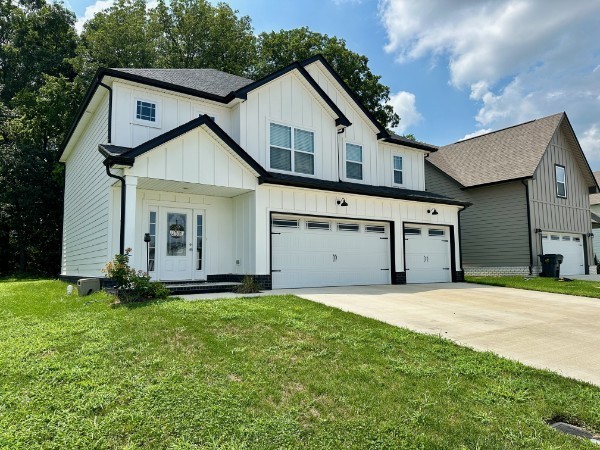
427, 250
568, 245
314, 252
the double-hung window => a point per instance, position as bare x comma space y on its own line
397, 169
354, 162
561, 181
292, 149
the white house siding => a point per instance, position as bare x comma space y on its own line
377, 156
195, 157
550, 213
173, 110
86, 211
244, 231
286, 101
218, 221
312, 202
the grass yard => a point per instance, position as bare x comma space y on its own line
575, 287
271, 372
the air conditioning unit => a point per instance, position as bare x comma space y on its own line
86, 286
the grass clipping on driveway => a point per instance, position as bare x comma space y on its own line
269, 372
574, 287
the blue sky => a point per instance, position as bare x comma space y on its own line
458, 69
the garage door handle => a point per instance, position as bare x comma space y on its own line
446, 268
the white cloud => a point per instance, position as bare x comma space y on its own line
477, 133
404, 104
91, 11
520, 59
590, 142
99, 6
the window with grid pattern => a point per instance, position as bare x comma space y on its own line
292, 149
398, 171
354, 162
145, 111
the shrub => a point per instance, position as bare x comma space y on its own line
249, 286
132, 286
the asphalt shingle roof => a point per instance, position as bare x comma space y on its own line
595, 198
211, 81
502, 155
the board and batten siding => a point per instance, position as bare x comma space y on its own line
280, 199
551, 213
86, 204
287, 101
494, 228
173, 110
194, 157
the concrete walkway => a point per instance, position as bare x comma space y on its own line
550, 331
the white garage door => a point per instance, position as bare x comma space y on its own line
427, 251
568, 245
314, 252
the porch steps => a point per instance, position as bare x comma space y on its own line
197, 287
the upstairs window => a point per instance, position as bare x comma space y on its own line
398, 171
561, 182
292, 149
354, 160
145, 111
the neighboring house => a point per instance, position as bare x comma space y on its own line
288, 178
595, 207
529, 185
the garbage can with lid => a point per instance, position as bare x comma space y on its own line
551, 265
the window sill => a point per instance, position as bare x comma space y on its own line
298, 174
146, 123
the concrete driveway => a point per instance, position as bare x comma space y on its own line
550, 331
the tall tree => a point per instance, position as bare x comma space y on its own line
196, 34
280, 48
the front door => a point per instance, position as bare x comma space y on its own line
178, 241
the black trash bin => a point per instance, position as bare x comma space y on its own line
551, 265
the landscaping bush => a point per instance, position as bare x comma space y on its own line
132, 286
249, 286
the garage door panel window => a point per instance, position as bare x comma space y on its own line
354, 162
434, 232
292, 149
286, 223
324, 226
348, 227
375, 229
412, 231
561, 181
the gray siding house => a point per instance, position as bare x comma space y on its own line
529, 186
595, 207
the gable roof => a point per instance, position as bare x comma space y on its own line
595, 198
126, 156
208, 81
509, 154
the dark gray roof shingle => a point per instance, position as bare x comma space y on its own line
211, 81
502, 155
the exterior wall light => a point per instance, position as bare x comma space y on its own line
342, 202
433, 212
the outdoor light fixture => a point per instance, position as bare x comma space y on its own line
433, 212
147, 241
590, 234
538, 230
342, 202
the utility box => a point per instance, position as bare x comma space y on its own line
87, 286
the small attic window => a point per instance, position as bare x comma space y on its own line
145, 111
561, 181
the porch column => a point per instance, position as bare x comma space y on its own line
130, 208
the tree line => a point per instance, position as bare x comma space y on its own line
46, 67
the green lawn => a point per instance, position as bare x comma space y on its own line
575, 287
270, 372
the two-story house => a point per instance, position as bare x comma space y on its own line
288, 178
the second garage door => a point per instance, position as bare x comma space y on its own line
315, 252
427, 250
568, 245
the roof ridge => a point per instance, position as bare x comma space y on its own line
504, 129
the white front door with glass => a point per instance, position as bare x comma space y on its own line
176, 244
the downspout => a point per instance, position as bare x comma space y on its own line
107, 164
528, 226
110, 99
460, 250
